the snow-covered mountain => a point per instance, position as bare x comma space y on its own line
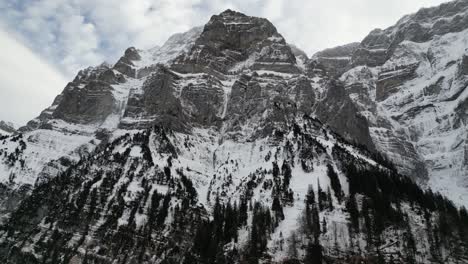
410, 82
229, 145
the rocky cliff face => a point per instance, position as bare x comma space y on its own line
409, 82
6, 128
229, 145
232, 41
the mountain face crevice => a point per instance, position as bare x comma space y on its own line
228, 145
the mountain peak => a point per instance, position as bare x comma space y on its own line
231, 13
236, 19
232, 41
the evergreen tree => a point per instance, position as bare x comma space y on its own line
366, 213
329, 200
310, 196
162, 214
218, 219
316, 223
353, 211
286, 170
243, 208
335, 182
153, 210
409, 243
313, 254
463, 224
322, 197
276, 170
277, 209
312, 221
260, 230
293, 246
230, 223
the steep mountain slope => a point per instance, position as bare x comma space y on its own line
147, 197
221, 146
410, 82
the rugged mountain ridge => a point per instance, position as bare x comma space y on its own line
409, 81
229, 134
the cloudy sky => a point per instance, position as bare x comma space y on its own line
45, 42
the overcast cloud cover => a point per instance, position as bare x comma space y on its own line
45, 42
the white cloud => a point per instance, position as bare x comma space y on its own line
56, 30
27, 83
77, 33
